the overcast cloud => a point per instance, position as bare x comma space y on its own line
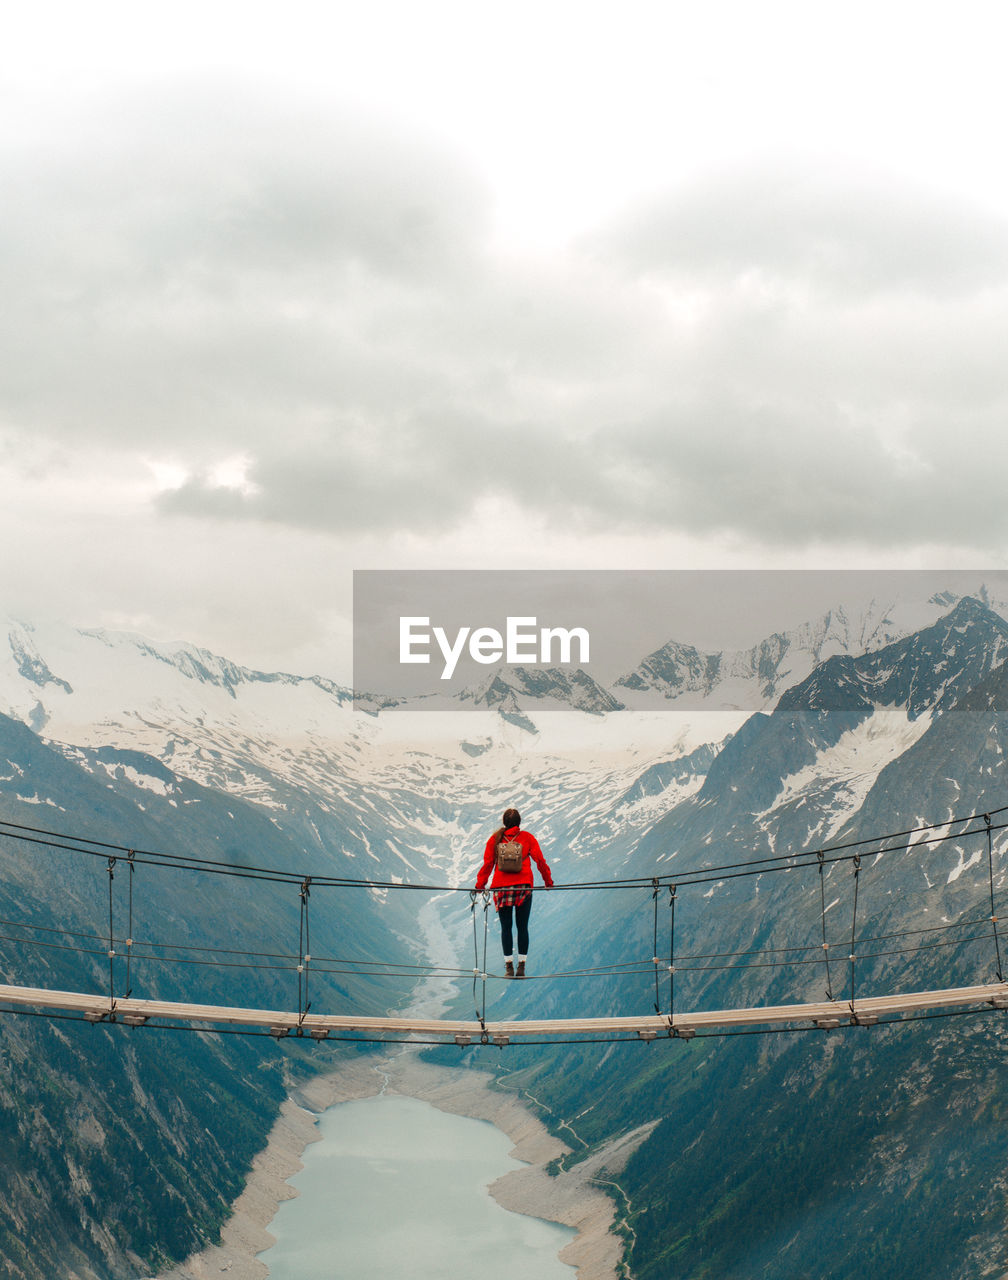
237, 300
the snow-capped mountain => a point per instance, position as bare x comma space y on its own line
549, 686
763, 1137
754, 678
406, 793
886, 735
73, 675
899, 737
297, 746
60, 676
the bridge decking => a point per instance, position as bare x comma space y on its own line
864, 1010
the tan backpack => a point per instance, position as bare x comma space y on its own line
510, 856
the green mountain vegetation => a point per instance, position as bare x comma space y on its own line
121, 1150
852, 1153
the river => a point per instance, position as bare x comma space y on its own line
396, 1187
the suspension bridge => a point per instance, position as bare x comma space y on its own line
849, 1009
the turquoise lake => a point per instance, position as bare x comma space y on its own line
396, 1188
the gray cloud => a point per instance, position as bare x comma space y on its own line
833, 233
166, 270
791, 358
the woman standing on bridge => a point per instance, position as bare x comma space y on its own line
509, 854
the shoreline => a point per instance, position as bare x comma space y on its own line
570, 1198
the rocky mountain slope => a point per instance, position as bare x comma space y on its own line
857, 1152
760, 1140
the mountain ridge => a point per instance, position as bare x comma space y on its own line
678, 673
906, 732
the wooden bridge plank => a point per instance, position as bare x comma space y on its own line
98, 1007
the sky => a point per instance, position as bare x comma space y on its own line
289, 292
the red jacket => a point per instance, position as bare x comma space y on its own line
504, 880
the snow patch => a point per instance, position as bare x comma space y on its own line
850, 767
143, 781
963, 865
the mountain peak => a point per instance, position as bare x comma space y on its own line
755, 676
926, 671
31, 666
575, 689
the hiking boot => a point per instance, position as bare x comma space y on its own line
509, 969
521, 969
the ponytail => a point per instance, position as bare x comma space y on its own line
511, 818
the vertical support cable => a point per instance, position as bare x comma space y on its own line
304, 953
993, 915
111, 941
129, 932
476, 968
671, 966
825, 944
486, 910
479, 971
654, 952
857, 872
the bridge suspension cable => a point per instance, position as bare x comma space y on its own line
45, 837
140, 954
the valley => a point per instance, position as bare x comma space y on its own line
173, 749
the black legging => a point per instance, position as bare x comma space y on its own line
521, 915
